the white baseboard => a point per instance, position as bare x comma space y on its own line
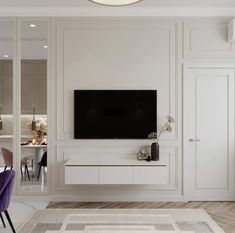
86, 198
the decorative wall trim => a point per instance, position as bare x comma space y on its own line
207, 40
64, 27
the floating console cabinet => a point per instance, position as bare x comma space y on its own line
121, 171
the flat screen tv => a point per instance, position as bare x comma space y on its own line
114, 114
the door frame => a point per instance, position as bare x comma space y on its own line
186, 68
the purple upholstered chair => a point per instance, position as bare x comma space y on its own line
6, 186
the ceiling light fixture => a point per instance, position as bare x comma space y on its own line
32, 25
45, 46
115, 2
6, 55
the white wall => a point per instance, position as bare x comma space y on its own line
127, 53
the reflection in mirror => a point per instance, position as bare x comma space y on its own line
6, 94
34, 105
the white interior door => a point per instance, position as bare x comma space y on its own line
209, 134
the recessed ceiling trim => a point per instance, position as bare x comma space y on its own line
115, 2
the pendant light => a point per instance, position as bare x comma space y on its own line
115, 2
1, 117
33, 125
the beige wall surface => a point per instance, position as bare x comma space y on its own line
127, 53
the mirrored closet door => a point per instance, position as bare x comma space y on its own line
33, 139
6, 94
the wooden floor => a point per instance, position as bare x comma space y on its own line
222, 212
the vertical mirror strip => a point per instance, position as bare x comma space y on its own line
33, 118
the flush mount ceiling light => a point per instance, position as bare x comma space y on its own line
115, 2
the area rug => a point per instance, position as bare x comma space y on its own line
120, 221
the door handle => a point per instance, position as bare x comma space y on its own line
194, 140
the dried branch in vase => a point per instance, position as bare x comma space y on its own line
165, 128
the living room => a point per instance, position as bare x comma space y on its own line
118, 104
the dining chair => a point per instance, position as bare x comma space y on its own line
8, 160
42, 163
6, 186
30, 158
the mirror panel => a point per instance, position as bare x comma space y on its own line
6, 94
34, 104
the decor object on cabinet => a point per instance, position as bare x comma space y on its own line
115, 2
143, 155
156, 136
1, 117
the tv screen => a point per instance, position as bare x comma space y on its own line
114, 114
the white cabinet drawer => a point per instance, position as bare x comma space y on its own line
116, 175
151, 175
81, 175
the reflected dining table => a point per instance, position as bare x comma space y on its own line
39, 151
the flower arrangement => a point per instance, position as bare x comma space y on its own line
40, 127
165, 128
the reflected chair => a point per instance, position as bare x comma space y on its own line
42, 163
30, 158
6, 186
8, 160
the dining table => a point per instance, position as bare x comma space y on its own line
39, 151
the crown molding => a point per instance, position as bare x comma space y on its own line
118, 12
143, 3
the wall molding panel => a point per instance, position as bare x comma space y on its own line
207, 40
67, 82
128, 53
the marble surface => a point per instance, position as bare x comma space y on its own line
20, 212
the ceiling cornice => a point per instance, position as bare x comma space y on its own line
116, 12
143, 3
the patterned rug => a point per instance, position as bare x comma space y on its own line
120, 221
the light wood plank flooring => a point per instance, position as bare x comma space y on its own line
222, 212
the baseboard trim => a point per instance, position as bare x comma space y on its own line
86, 198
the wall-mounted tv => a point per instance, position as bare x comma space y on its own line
114, 114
